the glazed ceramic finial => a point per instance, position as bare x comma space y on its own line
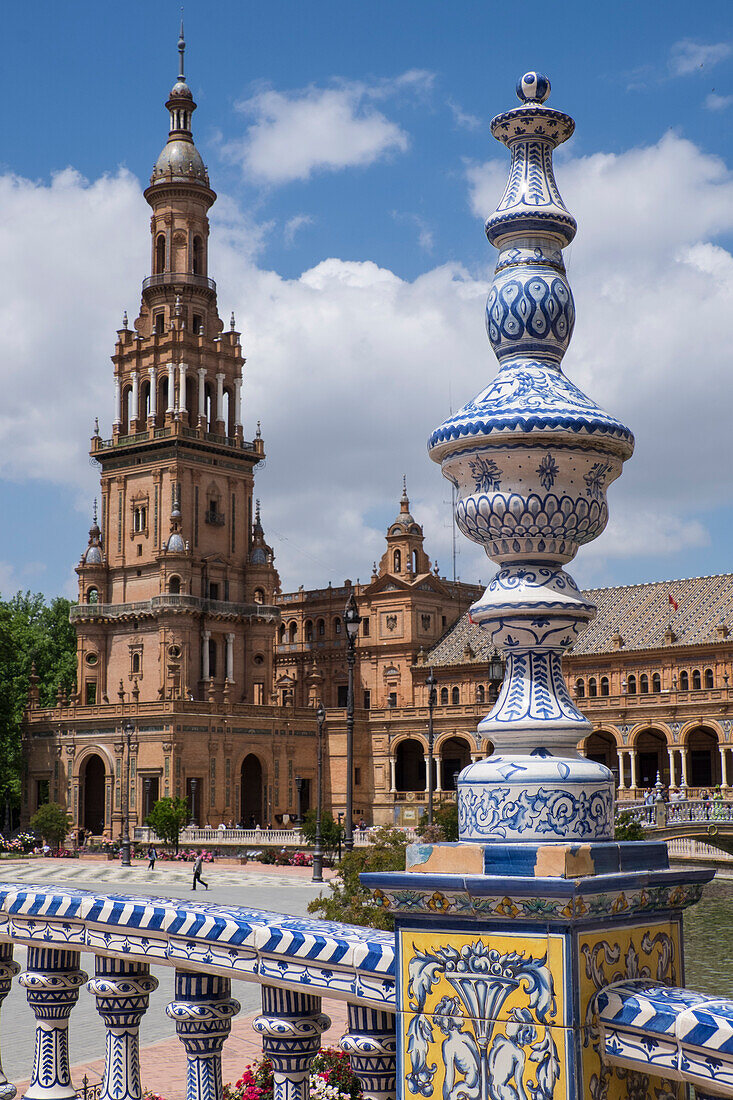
531, 458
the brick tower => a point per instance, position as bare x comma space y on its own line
173, 604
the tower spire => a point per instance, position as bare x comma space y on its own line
181, 53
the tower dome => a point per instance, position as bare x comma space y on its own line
180, 160
93, 554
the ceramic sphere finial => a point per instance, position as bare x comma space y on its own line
533, 88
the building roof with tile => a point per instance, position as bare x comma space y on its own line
630, 617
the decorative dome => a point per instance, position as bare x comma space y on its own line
93, 554
180, 160
176, 544
404, 518
181, 90
261, 553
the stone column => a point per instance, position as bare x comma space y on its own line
202, 393
230, 658
621, 769
672, 768
171, 389
723, 767
118, 402
392, 778
220, 396
238, 401
203, 1011
290, 1026
122, 990
683, 758
633, 758
206, 635
371, 1044
8, 969
153, 411
52, 982
135, 395
182, 388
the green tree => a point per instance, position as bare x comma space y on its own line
348, 900
167, 818
627, 827
445, 824
52, 822
331, 831
31, 631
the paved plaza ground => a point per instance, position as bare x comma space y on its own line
163, 1060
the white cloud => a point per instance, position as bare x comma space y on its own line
463, 118
350, 367
687, 57
715, 102
294, 135
425, 236
293, 225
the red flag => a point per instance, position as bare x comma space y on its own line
673, 601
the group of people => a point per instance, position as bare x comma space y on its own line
198, 864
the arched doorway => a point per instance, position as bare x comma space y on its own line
92, 795
601, 747
252, 800
703, 762
410, 766
651, 746
455, 755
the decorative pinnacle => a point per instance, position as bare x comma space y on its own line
178, 309
94, 512
232, 322
181, 51
533, 88
259, 431
96, 425
124, 319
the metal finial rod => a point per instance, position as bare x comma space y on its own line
181, 51
94, 512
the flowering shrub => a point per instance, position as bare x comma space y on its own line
23, 842
330, 1078
284, 857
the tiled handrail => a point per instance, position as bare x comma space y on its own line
332, 959
672, 1033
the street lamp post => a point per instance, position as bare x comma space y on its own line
318, 847
193, 823
496, 673
432, 697
299, 788
352, 621
129, 730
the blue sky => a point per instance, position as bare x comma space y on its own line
349, 145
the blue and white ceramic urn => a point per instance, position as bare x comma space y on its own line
531, 458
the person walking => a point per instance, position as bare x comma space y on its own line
152, 856
197, 872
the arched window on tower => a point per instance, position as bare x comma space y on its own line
92, 595
198, 256
656, 683
604, 685
455, 697
174, 585
293, 632
444, 697
480, 693
212, 658
580, 688
397, 562
592, 687
696, 682
308, 630
414, 561
160, 254
321, 628
684, 681
644, 684
709, 678
632, 685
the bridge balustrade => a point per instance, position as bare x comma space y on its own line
297, 962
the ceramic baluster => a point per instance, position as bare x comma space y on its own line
122, 990
371, 1044
8, 969
52, 982
203, 1011
290, 1026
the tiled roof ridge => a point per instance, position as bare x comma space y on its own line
657, 584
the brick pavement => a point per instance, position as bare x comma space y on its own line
163, 1064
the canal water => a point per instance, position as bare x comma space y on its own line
709, 940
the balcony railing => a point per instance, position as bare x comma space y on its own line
177, 278
169, 601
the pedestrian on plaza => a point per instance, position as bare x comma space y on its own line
649, 803
152, 856
198, 864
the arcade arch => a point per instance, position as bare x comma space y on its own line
92, 779
252, 791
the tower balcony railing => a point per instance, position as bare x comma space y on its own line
169, 601
175, 429
179, 278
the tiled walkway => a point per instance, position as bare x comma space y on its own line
163, 1064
